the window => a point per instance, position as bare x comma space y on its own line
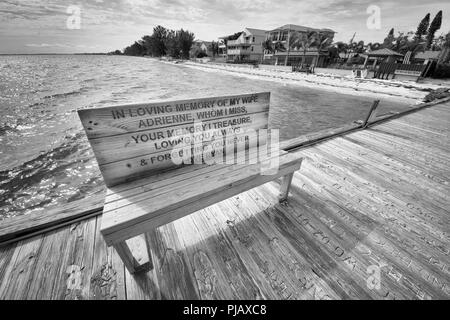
253, 40
252, 48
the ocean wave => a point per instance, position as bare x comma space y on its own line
64, 94
44, 165
5, 129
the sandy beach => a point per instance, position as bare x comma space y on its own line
405, 91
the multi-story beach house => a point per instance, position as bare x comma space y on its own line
246, 47
291, 42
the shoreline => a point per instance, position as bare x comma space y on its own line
406, 92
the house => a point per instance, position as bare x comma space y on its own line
382, 55
246, 47
282, 53
222, 48
200, 46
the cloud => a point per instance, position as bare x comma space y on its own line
116, 23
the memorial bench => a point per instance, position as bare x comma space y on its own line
147, 187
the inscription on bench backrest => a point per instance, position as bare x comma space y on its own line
133, 141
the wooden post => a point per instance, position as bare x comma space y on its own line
129, 260
127, 257
285, 185
371, 113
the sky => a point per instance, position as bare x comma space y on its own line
76, 26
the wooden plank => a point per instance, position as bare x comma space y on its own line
123, 195
274, 264
107, 279
74, 282
150, 164
140, 225
316, 137
132, 145
217, 187
17, 275
15, 228
171, 265
6, 254
398, 239
171, 177
102, 122
217, 268
50, 264
118, 134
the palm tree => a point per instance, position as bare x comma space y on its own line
268, 45
305, 41
279, 46
445, 52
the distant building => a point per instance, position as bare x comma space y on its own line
381, 55
247, 46
203, 46
424, 57
286, 55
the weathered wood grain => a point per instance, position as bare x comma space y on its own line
13, 229
102, 122
375, 197
146, 143
185, 199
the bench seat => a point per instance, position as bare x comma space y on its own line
141, 205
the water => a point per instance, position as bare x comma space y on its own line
45, 157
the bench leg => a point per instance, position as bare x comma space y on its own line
129, 260
285, 185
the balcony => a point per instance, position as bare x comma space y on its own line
238, 52
238, 43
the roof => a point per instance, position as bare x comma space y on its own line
384, 52
428, 55
256, 32
295, 27
201, 42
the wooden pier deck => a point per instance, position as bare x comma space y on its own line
373, 198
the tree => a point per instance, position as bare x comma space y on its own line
388, 41
373, 46
136, 49
171, 44
422, 27
342, 47
268, 46
391, 32
434, 26
185, 39
279, 46
306, 40
214, 48
444, 57
155, 44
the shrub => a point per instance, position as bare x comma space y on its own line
442, 71
201, 54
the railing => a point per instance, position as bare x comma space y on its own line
389, 69
238, 51
238, 43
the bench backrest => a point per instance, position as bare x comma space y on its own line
134, 141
